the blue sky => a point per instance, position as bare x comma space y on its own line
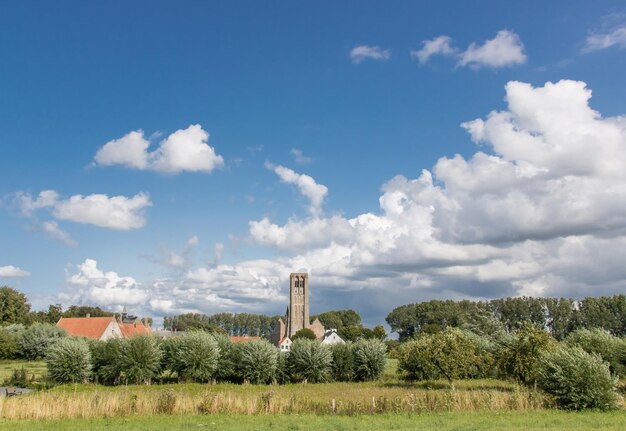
344, 86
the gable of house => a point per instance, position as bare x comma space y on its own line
95, 328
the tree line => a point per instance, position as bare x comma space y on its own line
558, 316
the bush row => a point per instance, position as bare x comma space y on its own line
204, 357
581, 372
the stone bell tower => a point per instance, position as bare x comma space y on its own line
298, 302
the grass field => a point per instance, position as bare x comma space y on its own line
542, 420
33, 368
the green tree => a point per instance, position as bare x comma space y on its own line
35, 340
259, 361
309, 361
369, 358
304, 333
519, 358
578, 380
337, 319
106, 357
198, 355
69, 360
450, 354
14, 307
228, 360
342, 363
612, 349
140, 359
9, 349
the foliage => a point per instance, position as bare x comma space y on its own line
19, 378
611, 349
369, 359
229, 357
519, 357
14, 307
236, 324
9, 349
304, 333
140, 359
106, 357
338, 319
258, 363
35, 340
69, 360
309, 361
578, 380
197, 356
342, 365
450, 354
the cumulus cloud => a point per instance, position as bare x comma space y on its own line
306, 185
363, 52
506, 49
11, 271
183, 259
599, 41
540, 209
441, 45
184, 150
116, 212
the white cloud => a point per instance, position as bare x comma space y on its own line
52, 229
306, 186
598, 41
299, 157
506, 49
185, 258
364, 52
184, 150
116, 212
11, 271
438, 46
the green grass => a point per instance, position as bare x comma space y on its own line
544, 420
36, 368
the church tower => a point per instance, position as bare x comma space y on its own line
298, 302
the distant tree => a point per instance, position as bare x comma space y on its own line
337, 319
14, 307
560, 313
69, 360
351, 332
304, 333
377, 333
84, 310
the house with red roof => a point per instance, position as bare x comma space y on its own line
103, 328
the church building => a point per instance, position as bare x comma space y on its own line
297, 315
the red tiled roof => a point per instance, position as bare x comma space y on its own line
243, 339
90, 327
132, 329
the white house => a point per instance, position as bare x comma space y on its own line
331, 337
285, 345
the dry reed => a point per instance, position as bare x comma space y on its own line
342, 399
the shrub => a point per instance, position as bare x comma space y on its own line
35, 340
169, 354
342, 365
369, 358
106, 357
577, 379
9, 349
166, 402
258, 362
309, 361
140, 359
282, 368
519, 357
450, 354
69, 361
198, 354
305, 333
612, 349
